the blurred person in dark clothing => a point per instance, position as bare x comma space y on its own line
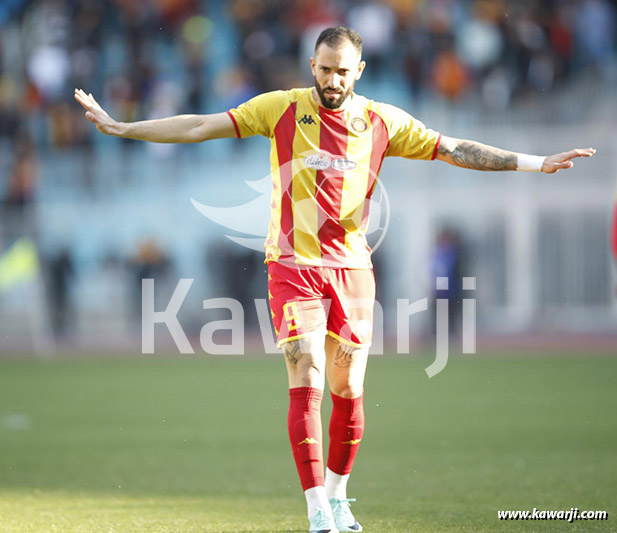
17, 220
22, 178
234, 273
60, 272
447, 262
149, 262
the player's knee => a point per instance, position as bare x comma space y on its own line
305, 366
306, 375
347, 389
313, 374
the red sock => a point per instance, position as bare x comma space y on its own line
305, 434
346, 430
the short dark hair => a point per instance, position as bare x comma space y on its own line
334, 37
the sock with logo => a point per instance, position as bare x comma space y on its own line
305, 434
346, 430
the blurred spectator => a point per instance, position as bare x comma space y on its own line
60, 271
17, 216
149, 262
9, 112
449, 75
596, 31
237, 273
561, 41
528, 40
479, 42
414, 40
49, 68
447, 262
375, 22
310, 18
22, 177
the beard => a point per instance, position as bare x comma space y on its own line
333, 103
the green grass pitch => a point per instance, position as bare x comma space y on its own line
189, 444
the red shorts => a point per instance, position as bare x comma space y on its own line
338, 301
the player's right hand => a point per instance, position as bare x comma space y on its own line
96, 114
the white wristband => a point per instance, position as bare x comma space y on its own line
530, 163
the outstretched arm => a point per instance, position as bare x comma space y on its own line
178, 129
478, 156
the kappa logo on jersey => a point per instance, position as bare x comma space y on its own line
307, 119
308, 440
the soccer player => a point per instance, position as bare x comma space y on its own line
327, 146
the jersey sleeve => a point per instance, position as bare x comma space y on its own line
259, 115
408, 137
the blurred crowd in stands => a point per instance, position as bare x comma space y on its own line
149, 58
448, 47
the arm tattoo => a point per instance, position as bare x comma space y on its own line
342, 358
293, 352
478, 156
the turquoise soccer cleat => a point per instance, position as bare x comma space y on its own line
343, 518
322, 522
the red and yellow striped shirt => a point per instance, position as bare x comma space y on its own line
324, 166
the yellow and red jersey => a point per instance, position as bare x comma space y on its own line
324, 166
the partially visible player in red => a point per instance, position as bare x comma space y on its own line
327, 146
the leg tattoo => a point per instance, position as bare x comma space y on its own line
293, 352
343, 358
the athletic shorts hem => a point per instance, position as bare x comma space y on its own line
348, 342
296, 337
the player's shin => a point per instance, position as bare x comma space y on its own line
346, 431
305, 434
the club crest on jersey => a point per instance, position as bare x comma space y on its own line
343, 164
317, 161
359, 124
306, 119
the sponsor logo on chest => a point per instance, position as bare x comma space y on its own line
317, 161
323, 162
343, 164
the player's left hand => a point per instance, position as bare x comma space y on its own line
554, 163
96, 114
